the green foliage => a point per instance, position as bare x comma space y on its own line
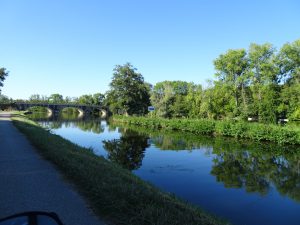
172, 98
239, 129
232, 69
36, 98
258, 82
95, 99
56, 98
5, 100
128, 93
3, 75
289, 99
289, 62
296, 114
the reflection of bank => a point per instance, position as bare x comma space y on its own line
257, 171
128, 151
253, 166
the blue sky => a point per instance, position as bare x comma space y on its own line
71, 47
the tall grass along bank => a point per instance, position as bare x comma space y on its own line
114, 193
254, 131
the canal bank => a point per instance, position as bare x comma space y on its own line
114, 193
238, 129
30, 183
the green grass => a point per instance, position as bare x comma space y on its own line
115, 194
253, 131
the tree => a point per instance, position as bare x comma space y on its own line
85, 100
288, 61
231, 70
162, 97
56, 98
4, 99
128, 93
3, 75
169, 98
68, 99
35, 98
98, 99
264, 76
194, 100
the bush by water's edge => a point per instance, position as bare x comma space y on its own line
253, 131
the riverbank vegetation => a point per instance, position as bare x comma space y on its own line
114, 193
238, 129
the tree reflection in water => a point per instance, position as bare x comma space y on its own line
129, 150
256, 167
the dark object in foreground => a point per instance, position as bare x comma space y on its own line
32, 218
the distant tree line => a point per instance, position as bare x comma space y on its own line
92, 99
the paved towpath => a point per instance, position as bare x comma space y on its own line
28, 182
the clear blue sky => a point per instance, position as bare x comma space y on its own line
71, 47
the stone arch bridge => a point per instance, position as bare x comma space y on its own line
56, 108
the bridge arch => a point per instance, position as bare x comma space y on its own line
79, 110
31, 108
103, 113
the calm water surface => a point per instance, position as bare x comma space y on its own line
244, 182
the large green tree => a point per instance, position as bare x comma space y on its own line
264, 76
194, 100
169, 98
3, 75
232, 70
289, 63
128, 93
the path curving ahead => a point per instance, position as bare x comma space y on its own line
30, 183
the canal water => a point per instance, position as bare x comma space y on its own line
243, 182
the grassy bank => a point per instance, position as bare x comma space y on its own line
114, 193
254, 131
